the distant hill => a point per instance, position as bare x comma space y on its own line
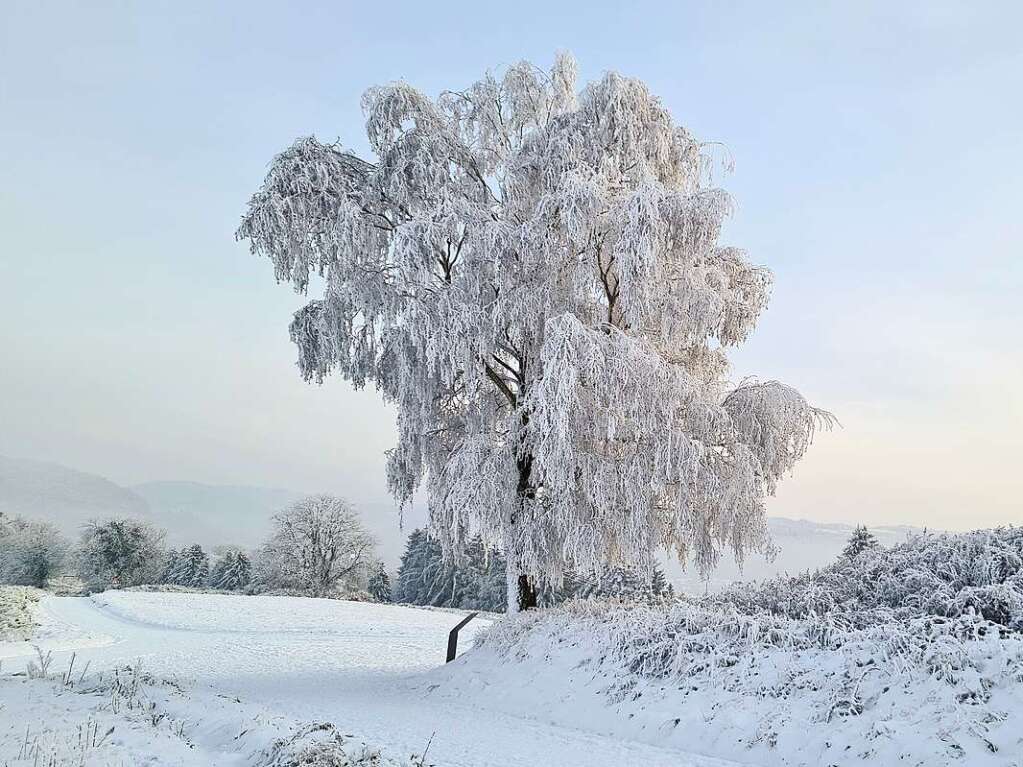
802, 545
193, 512
63, 496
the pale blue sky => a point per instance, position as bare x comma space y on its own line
878, 158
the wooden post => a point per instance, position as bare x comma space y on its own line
453, 637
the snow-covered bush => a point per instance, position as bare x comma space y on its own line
17, 607
321, 744
119, 553
945, 575
30, 552
921, 640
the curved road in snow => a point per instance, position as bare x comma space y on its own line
364, 667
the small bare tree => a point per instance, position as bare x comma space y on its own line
317, 543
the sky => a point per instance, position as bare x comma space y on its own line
877, 152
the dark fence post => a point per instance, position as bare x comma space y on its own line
453, 637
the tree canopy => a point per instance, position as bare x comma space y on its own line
532, 273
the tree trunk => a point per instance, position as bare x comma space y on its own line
521, 589
527, 593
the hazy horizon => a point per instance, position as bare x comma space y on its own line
877, 157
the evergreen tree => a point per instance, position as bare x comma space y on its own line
170, 567
627, 583
860, 540
191, 567
379, 585
232, 572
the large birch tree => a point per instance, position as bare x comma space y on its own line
532, 274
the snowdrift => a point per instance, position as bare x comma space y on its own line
910, 655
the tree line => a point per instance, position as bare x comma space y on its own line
478, 579
317, 546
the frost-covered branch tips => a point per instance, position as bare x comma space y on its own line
532, 274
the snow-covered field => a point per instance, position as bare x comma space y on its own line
241, 671
879, 677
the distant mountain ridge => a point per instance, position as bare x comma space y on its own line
67, 497
212, 515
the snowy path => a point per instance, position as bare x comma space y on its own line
361, 666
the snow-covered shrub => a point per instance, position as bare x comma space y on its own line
30, 552
321, 744
119, 553
925, 633
944, 575
17, 607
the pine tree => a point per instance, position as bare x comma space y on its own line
379, 585
170, 567
192, 567
232, 572
626, 583
860, 540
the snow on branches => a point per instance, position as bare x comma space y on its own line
532, 274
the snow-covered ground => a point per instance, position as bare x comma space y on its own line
374, 671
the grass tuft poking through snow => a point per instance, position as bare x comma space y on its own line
51, 718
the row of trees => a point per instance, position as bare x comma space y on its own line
477, 580
318, 546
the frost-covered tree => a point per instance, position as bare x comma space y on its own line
626, 583
412, 586
317, 545
532, 273
30, 552
860, 540
119, 553
232, 571
194, 567
379, 586
171, 567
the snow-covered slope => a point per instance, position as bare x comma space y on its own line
370, 669
63, 496
911, 655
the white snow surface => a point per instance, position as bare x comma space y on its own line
375, 671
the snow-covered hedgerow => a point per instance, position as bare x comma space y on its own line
929, 575
912, 654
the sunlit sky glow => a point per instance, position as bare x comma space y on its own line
878, 155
